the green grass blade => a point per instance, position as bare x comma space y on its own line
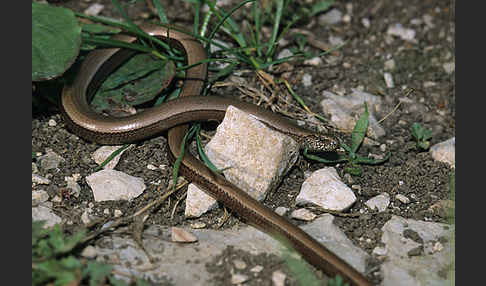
160, 11
340, 159
276, 25
177, 163
359, 130
112, 155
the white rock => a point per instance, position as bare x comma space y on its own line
365, 22
50, 160
449, 67
379, 202
402, 198
445, 151
278, 278
85, 217
39, 180
39, 197
430, 268
238, 278
198, 202
102, 153
180, 235
258, 156
315, 61
117, 213
307, 80
284, 54
331, 17
94, 9
74, 188
44, 213
89, 252
52, 122
281, 210
344, 110
325, 189
239, 264
109, 185
303, 214
257, 268
388, 80
399, 31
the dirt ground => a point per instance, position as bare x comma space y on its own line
408, 171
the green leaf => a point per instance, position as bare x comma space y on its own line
359, 130
137, 81
97, 272
56, 38
321, 6
354, 170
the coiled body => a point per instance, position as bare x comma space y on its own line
174, 116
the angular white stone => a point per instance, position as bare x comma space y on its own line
39, 197
180, 235
36, 179
258, 156
345, 110
198, 202
102, 153
445, 151
108, 185
44, 213
399, 31
379, 202
303, 214
431, 268
325, 189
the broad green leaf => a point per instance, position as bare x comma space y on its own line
137, 81
56, 38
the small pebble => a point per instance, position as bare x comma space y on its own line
180, 235
281, 210
238, 278
402, 198
239, 264
278, 278
151, 167
257, 268
388, 80
117, 213
303, 214
52, 122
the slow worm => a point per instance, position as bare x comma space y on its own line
174, 117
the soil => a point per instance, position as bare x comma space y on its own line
409, 171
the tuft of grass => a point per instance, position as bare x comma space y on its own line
56, 260
351, 156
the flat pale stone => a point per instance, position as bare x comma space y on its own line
258, 156
39, 197
36, 179
303, 214
198, 202
379, 202
180, 235
432, 268
44, 213
102, 153
325, 189
345, 110
50, 160
185, 264
445, 151
109, 185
